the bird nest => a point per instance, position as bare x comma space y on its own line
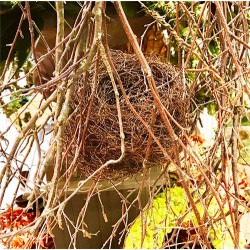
102, 141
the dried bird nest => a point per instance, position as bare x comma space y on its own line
102, 141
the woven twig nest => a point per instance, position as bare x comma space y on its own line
102, 141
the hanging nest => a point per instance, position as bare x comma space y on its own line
102, 140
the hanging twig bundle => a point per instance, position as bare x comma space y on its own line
102, 141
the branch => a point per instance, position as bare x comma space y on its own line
59, 36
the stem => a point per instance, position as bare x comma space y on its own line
132, 39
59, 35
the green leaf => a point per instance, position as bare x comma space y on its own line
214, 48
160, 219
212, 108
245, 121
184, 32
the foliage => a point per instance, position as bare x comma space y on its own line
162, 217
13, 220
15, 96
159, 220
7, 5
15, 104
